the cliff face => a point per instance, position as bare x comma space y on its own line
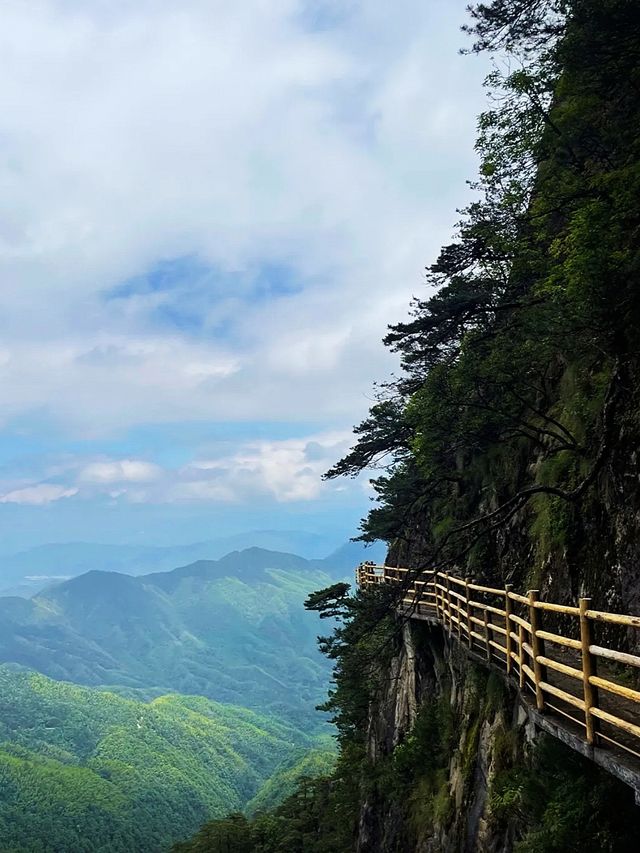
478, 779
429, 671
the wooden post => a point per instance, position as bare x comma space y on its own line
448, 586
521, 656
507, 624
588, 669
440, 594
535, 645
467, 581
487, 633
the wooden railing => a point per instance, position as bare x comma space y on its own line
551, 651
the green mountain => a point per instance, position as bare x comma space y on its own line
233, 630
27, 572
86, 770
134, 769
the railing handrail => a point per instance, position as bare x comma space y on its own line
510, 635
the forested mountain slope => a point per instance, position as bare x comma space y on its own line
510, 446
85, 770
233, 630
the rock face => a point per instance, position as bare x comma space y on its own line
585, 548
428, 669
397, 708
471, 750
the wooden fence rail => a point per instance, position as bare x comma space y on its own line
549, 650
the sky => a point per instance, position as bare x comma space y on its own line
210, 212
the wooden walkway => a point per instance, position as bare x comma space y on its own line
570, 681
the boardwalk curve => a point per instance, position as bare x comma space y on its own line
570, 678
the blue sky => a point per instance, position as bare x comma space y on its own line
210, 212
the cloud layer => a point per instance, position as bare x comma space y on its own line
327, 144
285, 471
210, 213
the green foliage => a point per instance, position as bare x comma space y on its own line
330, 603
384, 431
86, 770
399, 494
305, 764
361, 644
320, 816
563, 803
309, 821
428, 746
516, 364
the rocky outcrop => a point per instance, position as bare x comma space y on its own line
451, 747
428, 671
408, 679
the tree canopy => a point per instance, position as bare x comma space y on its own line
516, 364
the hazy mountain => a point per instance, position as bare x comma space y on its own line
232, 629
30, 571
347, 556
92, 771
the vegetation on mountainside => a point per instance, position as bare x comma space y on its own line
518, 384
86, 770
563, 803
320, 815
233, 630
517, 367
304, 764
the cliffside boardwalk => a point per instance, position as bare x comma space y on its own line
571, 686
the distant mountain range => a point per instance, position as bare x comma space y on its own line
30, 571
99, 751
232, 629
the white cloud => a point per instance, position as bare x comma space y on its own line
284, 471
43, 493
135, 133
121, 471
288, 470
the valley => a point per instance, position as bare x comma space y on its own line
92, 771
143, 706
